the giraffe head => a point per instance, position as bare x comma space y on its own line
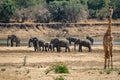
110, 11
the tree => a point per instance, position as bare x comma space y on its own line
96, 4
24, 3
116, 5
97, 8
70, 11
7, 9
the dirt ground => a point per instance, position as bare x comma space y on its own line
82, 66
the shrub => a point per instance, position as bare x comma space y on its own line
68, 11
7, 9
58, 68
108, 71
59, 78
61, 68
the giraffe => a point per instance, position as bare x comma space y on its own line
108, 42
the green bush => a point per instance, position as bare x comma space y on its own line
7, 9
108, 71
58, 68
61, 68
96, 4
68, 11
59, 78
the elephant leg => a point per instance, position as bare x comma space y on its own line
80, 48
19, 43
35, 49
68, 49
75, 47
54, 48
45, 48
58, 49
65, 49
16, 44
11, 43
89, 47
42, 48
69, 42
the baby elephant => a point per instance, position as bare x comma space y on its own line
83, 43
90, 39
47, 46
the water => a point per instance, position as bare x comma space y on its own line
25, 43
4, 43
101, 43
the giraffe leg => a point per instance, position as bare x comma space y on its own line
108, 62
111, 63
105, 63
111, 47
105, 56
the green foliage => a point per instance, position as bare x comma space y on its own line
103, 13
57, 10
59, 78
28, 3
58, 68
61, 68
96, 4
25, 3
7, 9
118, 70
70, 11
108, 71
98, 8
48, 1
116, 5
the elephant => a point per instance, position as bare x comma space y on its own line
54, 43
71, 39
64, 44
60, 43
41, 44
31, 41
83, 43
35, 44
90, 39
47, 46
13, 39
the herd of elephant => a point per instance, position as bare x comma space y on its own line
53, 44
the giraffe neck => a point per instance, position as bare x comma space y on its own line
109, 30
